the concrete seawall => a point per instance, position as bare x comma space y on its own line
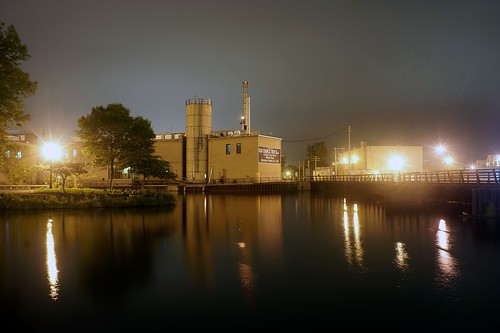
274, 187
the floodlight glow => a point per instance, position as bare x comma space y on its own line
354, 159
396, 163
448, 160
439, 149
345, 160
52, 151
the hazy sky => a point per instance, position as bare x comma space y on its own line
396, 72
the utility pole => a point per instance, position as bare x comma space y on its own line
335, 160
349, 149
349, 137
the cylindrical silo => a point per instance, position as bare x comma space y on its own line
198, 129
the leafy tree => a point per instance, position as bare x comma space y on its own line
15, 84
140, 155
113, 137
283, 163
14, 164
285, 168
317, 153
149, 165
140, 141
68, 168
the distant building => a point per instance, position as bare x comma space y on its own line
379, 159
22, 154
172, 148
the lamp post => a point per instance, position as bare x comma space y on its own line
52, 152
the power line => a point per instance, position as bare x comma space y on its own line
317, 138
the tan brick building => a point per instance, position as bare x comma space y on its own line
202, 155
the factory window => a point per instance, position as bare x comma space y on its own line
228, 148
238, 148
7, 153
74, 152
19, 155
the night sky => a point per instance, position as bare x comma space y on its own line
396, 72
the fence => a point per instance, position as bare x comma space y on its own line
479, 176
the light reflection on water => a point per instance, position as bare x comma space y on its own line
52, 271
448, 267
401, 259
352, 240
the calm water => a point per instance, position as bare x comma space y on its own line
250, 261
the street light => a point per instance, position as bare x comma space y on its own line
51, 151
396, 163
440, 149
449, 161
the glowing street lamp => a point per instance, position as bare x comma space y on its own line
449, 160
439, 149
396, 163
51, 151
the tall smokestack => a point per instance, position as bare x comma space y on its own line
245, 118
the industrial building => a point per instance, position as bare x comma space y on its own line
379, 159
202, 155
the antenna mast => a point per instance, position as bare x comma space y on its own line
245, 118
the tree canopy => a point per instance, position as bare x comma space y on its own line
318, 152
15, 84
113, 137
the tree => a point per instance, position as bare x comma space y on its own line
113, 137
68, 168
15, 166
140, 155
284, 166
149, 165
15, 84
318, 154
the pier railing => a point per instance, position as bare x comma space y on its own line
479, 176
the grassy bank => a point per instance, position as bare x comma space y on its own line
85, 198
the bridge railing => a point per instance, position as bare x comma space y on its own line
479, 176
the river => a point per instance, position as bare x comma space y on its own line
301, 260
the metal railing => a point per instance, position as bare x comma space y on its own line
479, 176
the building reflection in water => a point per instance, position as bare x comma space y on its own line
352, 237
197, 225
448, 270
245, 271
52, 271
223, 222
